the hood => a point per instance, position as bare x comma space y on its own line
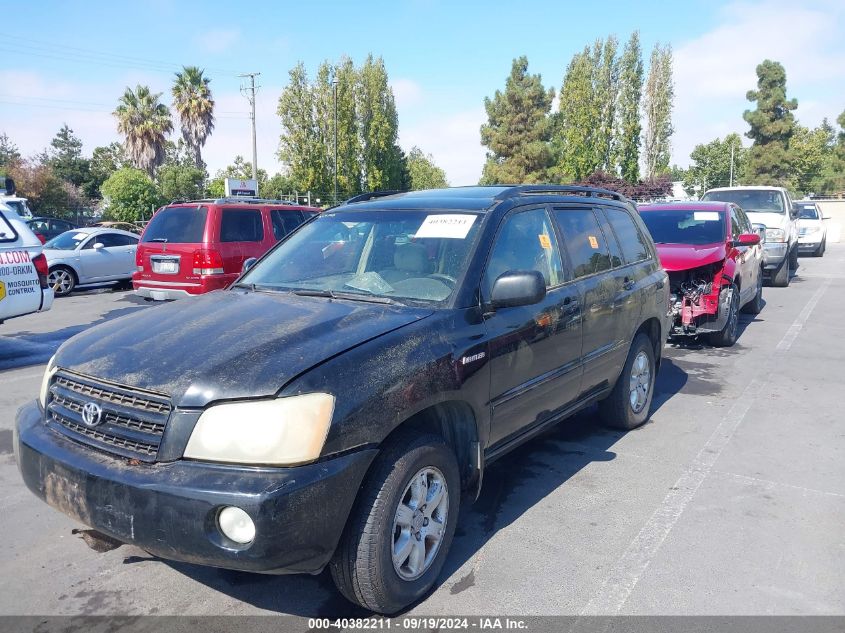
770, 220
686, 256
227, 344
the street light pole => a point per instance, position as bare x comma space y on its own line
334, 88
249, 93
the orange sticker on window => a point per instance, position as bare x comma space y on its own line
593, 241
545, 242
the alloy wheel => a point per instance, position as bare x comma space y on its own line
419, 523
640, 382
60, 280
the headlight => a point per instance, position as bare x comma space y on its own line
812, 229
775, 235
45, 382
280, 432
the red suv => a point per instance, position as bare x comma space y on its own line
190, 248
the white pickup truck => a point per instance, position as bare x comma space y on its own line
23, 268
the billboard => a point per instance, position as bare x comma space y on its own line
241, 187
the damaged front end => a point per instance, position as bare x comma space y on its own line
699, 299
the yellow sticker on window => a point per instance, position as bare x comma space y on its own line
545, 242
594, 243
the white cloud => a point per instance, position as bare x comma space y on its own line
217, 40
407, 92
714, 71
453, 139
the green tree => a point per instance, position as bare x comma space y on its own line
47, 194
130, 195
772, 126
239, 169
606, 86
65, 157
711, 165
278, 187
383, 160
145, 123
518, 129
195, 107
657, 102
9, 153
628, 109
349, 166
181, 182
424, 173
105, 160
578, 120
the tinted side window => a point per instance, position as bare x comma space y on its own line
110, 239
736, 224
241, 225
584, 241
631, 241
526, 241
613, 248
284, 221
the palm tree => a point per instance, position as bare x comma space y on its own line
192, 100
145, 122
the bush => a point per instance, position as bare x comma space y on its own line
130, 195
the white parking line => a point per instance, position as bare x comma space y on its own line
626, 573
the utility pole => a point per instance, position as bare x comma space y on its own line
732, 165
334, 87
249, 93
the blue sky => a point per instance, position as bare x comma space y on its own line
69, 62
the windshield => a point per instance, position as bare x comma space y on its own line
751, 200
415, 255
808, 212
684, 226
67, 241
177, 225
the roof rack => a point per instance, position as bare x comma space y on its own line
363, 197
575, 190
234, 200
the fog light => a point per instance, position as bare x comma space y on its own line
236, 525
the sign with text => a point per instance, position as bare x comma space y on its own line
241, 187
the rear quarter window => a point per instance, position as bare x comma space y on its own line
284, 221
631, 241
241, 225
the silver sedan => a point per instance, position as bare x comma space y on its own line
92, 255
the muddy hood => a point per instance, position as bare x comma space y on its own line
227, 344
686, 256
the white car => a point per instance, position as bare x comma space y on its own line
812, 233
23, 269
93, 255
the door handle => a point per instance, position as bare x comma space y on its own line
628, 284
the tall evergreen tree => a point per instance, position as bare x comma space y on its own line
578, 120
628, 109
657, 102
195, 107
9, 152
65, 157
772, 126
606, 87
348, 128
518, 129
383, 160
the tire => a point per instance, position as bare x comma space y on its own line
62, 279
820, 251
755, 306
617, 410
363, 566
793, 258
727, 337
780, 277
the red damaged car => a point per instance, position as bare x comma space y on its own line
715, 264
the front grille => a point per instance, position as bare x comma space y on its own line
132, 422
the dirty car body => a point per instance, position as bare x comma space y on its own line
700, 247
383, 312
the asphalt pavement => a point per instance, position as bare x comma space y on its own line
730, 501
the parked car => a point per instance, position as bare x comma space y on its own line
47, 228
812, 233
715, 263
90, 255
23, 269
191, 248
773, 208
332, 406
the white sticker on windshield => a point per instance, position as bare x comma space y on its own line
446, 225
705, 216
79, 236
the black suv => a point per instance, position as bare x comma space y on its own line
334, 404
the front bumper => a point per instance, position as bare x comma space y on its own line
170, 508
810, 242
773, 254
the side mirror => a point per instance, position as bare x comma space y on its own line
518, 288
98, 246
760, 229
249, 262
825, 217
795, 211
747, 239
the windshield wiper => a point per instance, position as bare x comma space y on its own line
332, 294
255, 287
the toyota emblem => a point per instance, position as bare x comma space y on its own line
91, 414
